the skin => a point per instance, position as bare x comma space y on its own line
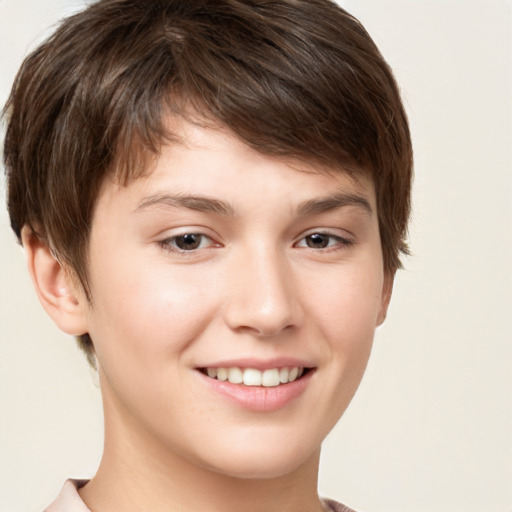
260, 285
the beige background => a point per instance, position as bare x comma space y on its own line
430, 429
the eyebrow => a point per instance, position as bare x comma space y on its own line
198, 203
210, 205
333, 202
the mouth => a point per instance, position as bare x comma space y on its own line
269, 378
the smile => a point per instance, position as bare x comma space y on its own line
266, 388
272, 377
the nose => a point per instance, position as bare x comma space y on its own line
262, 297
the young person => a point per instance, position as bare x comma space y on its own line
213, 197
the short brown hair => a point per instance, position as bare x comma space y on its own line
295, 78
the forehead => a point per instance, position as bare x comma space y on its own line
212, 160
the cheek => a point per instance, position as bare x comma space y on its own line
142, 324
348, 305
146, 313
346, 316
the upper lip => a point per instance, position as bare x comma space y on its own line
260, 364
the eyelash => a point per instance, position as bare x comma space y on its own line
341, 242
171, 244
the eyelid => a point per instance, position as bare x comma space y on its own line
168, 242
344, 240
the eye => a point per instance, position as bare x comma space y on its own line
187, 242
323, 241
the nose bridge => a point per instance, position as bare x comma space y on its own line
262, 298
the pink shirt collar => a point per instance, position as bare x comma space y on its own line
69, 500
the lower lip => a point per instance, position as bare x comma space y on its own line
259, 398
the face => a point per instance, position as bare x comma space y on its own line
234, 302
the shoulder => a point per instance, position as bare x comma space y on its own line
334, 506
68, 499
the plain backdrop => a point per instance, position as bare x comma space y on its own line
430, 428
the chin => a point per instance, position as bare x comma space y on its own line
267, 462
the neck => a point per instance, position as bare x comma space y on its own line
137, 474
177, 485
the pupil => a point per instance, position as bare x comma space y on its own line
189, 241
317, 241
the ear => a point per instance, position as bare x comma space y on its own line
387, 290
61, 298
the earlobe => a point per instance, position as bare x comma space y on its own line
387, 290
59, 295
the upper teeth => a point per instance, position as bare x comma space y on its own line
252, 377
